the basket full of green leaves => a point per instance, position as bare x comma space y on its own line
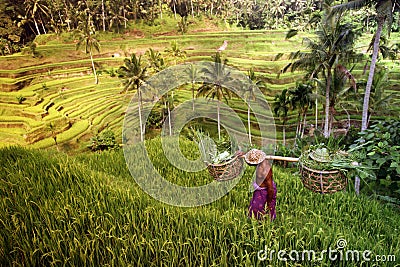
323, 170
222, 164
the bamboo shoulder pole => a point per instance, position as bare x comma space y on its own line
269, 157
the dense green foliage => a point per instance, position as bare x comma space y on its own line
22, 20
379, 149
88, 211
103, 141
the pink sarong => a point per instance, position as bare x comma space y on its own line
257, 203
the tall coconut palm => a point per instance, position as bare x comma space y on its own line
215, 77
384, 13
86, 38
334, 44
177, 54
281, 108
249, 95
157, 63
133, 73
193, 73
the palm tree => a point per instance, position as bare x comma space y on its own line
32, 8
193, 74
380, 100
52, 129
339, 90
156, 60
134, 74
214, 79
334, 44
249, 95
87, 39
384, 13
117, 16
176, 52
301, 98
281, 108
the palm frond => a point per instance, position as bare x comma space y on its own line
356, 4
278, 56
316, 18
291, 33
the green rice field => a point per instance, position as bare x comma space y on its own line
63, 205
88, 211
58, 87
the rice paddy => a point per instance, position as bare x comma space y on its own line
57, 87
87, 210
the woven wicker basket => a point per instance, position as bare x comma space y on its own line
324, 182
227, 170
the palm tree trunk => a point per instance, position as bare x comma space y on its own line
218, 121
140, 114
248, 122
169, 120
348, 118
44, 29
298, 128
66, 15
160, 6
103, 15
367, 94
174, 9
304, 123
284, 134
124, 15
191, 4
96, 80
192, 96
59, 15
316, 113
37, 26
332, 111
327, 100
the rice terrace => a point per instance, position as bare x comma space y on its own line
199, 133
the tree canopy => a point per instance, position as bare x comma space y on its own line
22, 20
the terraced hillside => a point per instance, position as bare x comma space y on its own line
51, 98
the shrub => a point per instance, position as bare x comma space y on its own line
20, 99
103, 141
183, 25
154, 120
